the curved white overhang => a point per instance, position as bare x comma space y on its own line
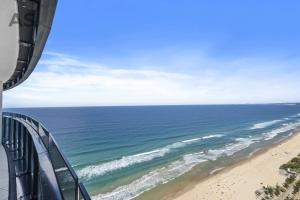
25, 26
9, 45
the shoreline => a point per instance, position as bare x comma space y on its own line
244, 176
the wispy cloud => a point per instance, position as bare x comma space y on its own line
63, 80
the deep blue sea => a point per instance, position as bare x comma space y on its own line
121, 152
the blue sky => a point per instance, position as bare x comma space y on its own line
139, 52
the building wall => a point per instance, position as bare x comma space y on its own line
1, 102
9, 37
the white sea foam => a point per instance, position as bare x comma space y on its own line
230, 149
171, 171
290, 134
191, 140
284, 128
216, 170
253, 152
213, 136
153, 178
264, 124
126, 161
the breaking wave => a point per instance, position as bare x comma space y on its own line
284, 128
126, 161
230, 149
264, 124
153, 178
171, 171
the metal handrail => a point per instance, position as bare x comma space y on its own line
65, 174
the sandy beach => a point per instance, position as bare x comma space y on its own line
240, 181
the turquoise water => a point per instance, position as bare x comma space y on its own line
120, 152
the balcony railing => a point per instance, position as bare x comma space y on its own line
41, 169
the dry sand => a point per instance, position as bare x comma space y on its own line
240, 181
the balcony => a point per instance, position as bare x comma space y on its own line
37, 167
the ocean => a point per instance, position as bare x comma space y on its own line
146, 151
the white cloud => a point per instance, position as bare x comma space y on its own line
67, 81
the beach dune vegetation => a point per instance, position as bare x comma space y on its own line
289, 189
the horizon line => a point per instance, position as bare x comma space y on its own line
153, 105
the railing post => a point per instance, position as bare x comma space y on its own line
18, 152
8, 132
22, 139
14, 134
25, 150
76, 189
11, 134
4, 130
35, 169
